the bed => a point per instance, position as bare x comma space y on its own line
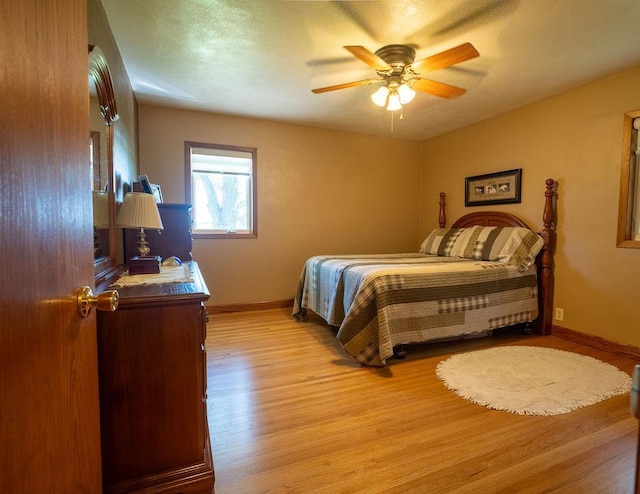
486, 271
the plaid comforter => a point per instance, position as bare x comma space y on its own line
382, 301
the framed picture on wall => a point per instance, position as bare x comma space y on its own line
493, 188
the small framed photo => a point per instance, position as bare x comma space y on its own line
146, 186
149, 188
157, 192
493, 188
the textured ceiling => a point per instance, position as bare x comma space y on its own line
261, 58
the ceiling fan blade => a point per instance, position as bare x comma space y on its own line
461, 53
437, 88
371, 59
344, 86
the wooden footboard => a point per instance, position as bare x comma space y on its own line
544, 261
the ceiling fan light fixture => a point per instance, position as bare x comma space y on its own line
406, 94
380, 96
394, 101
399, 73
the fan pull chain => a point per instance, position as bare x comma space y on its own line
392, 115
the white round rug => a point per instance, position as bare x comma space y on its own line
530, 380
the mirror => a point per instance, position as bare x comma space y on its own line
103, 114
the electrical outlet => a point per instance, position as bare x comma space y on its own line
559, 314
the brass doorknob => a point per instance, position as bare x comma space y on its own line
107, 300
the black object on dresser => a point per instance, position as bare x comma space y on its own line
152, 373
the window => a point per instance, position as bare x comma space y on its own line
629, 208
221, 184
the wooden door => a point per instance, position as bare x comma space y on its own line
49, 413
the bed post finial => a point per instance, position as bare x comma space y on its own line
442, 217
548, 213
548, 234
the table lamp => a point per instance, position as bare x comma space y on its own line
139, 210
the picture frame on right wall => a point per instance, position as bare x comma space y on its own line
493, 188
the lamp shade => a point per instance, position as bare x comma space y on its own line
394, 101
406, 94
139, 210
380, 96
100, 210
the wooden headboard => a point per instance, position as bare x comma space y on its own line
544, 261
489, 218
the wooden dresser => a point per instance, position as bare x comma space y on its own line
152, 371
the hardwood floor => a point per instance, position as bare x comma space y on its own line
289, 412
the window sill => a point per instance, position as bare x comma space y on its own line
629, 244
197, 236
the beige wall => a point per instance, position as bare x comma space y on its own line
319, 192
574, 138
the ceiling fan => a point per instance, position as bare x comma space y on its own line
401, 76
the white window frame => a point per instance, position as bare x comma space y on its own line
252, 210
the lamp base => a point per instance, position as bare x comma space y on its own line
144, 265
